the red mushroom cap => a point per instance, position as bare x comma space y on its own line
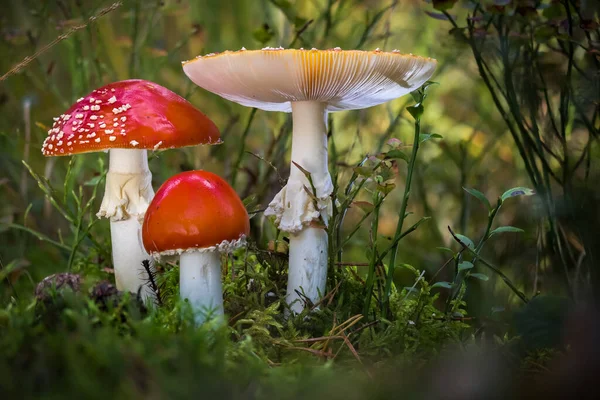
194, 210
132, 114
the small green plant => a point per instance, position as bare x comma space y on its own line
546, 105
469, 255
76, 210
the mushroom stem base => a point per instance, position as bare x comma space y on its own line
308, 267
200, 284
128, 254
302, 201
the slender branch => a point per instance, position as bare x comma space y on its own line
506, 280
15, 69
402, 214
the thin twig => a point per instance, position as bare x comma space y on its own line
59, 39
520, 294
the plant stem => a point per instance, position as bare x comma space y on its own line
240, 155
373, 262
402, 216
520, 294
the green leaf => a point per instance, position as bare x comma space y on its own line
443, 5
479, 196
288, 9
423, 137
468, 242
442, 284
364, 205
417, 96
503, 229
465, 265
263, 34
518, 191
363, 171
411, 289
396, 154
445, 249
480, 276
388, 175
10, 268
416, 111
420, 94
249, 201
387, 188
94, 181
554, 11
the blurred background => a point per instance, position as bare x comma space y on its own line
63, 49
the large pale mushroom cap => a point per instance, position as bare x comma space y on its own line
270, 79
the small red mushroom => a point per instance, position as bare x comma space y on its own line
197, 216
126, 119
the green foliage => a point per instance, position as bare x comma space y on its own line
95, 339
545, 105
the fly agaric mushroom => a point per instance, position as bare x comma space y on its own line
198, 216
309, 83
126, 119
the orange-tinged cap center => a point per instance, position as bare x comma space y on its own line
194, 210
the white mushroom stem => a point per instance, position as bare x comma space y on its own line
297, 212
128, 254
126, 198
200, 283
308, 267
